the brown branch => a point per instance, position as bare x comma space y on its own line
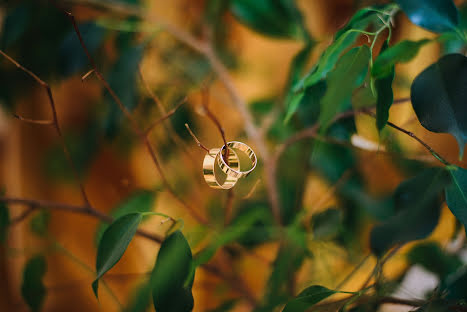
34, 204
87, 75
23, 215
55, 122
134, 125
165, 117
223, 74
198, 142
35, 121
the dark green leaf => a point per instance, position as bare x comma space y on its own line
349, 73
456, 286
384, 95
172, 277
417, 205
113, 244
402, 52
32, 287
40, 223
308, 298
435, 15
456, 194
327, 224
138, 202
141, 299
276, 18
438, 97
14, 25
434, 259
4, 222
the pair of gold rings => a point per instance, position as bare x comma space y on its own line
229, 171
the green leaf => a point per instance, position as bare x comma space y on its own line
327, 224
15, 25
402, 52
141, 299
172, 277
435, 15
113, 244
384, 95
32, 287
4, 221
138, 202
434, 259
40, 223
456, 194
417, 206
438, 97
308, 298
275, 18
349, 73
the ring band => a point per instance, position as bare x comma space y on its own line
232, 171
209, 171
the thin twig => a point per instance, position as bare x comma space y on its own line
55, 122
34, 121
198, 142
135, 126
352, 273
87, 75
165, 117
23, 215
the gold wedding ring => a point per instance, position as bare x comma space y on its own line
232, 171
209, 169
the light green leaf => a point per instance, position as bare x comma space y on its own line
40, 223
308, 298
32, 287
172, 276
349, 73
113, 244
402, 52
456, 194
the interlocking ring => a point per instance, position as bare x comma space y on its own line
209, 169
234, 171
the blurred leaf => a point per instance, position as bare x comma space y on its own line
83, 146
225, 307
308, 298
456, 286
141, 299
349, 73
384, 95
32, 287
402, 52
363, 97
275, 18
40, 223
113, 244
288, 260
435, 15
172, 277
309, 107
233, 232
72, 56
138, 202
15, 24
438, 97
122, 78
327, 224
434, 259
456, 194
417, 204
4, 221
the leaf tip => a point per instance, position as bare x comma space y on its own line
95, 286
